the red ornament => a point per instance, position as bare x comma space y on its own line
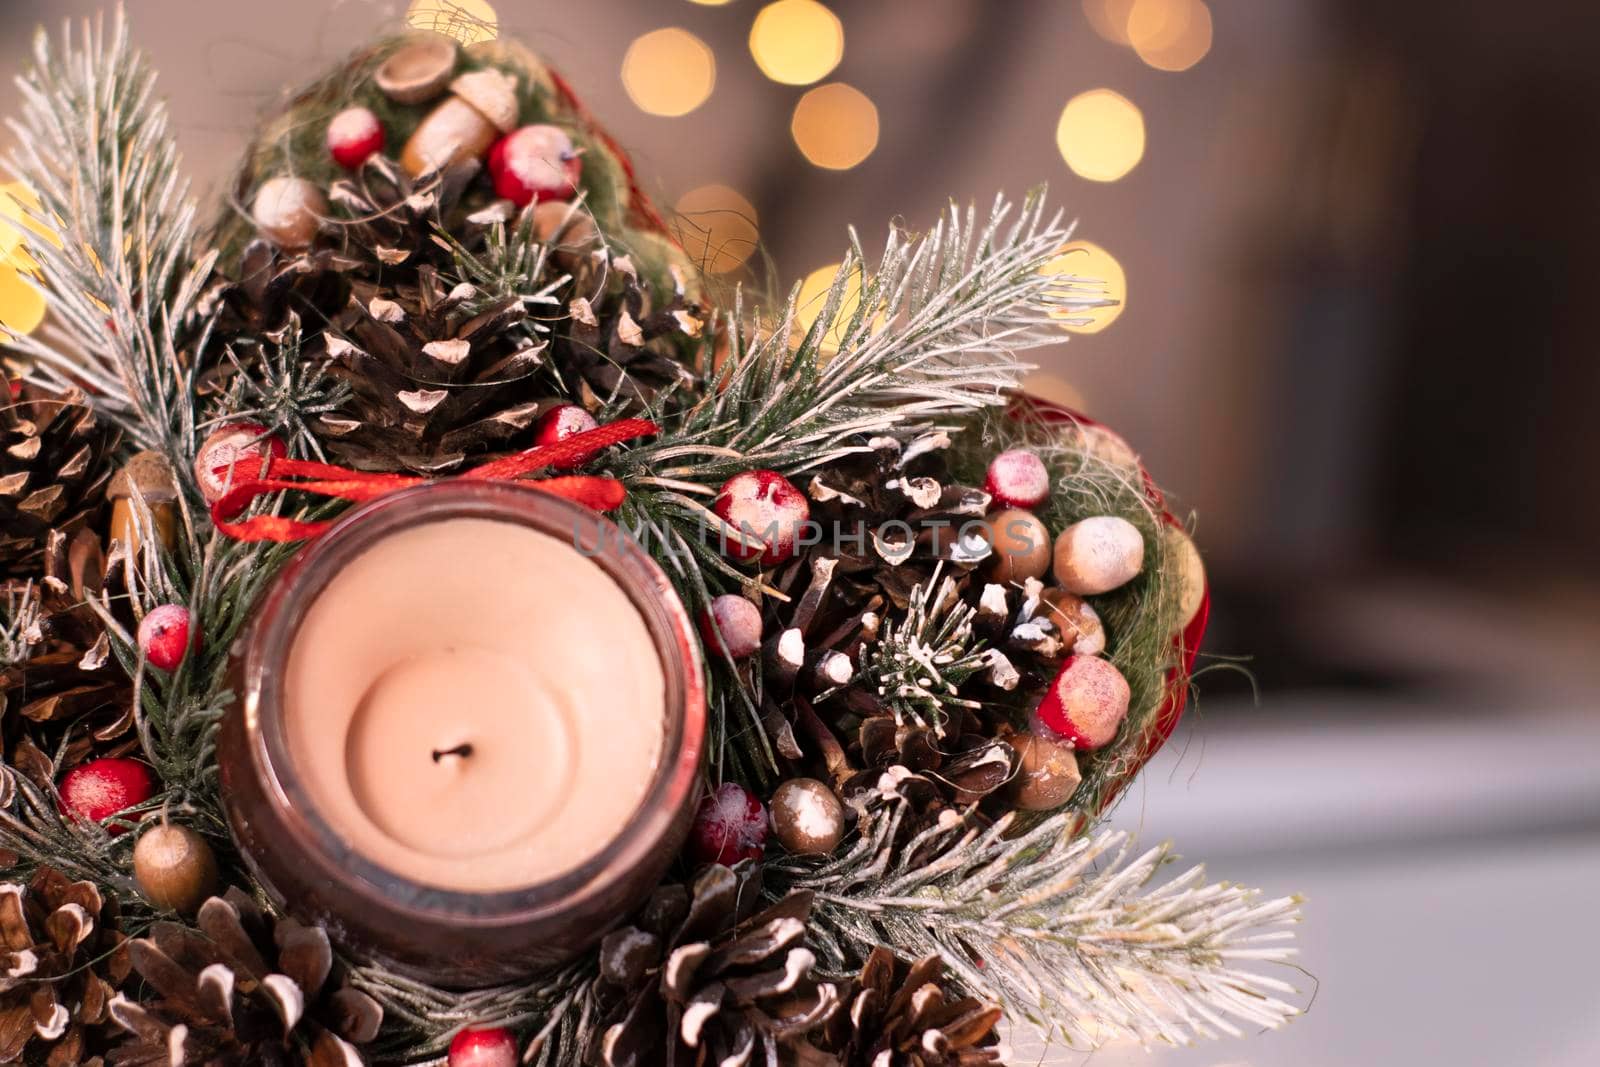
100, 788
354, 136
765, 506
1017, 479
534, 164
731, 625
490, 1047
231, 447
1085, 704
730, 826
558, 424
164, 636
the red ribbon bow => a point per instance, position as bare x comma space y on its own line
342, 483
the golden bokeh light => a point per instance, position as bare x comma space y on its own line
22, 307
1087, 262
468, 21
1109, 18
835, 126
711, 3
814, 297
669, 72
717, 227
1101, 135
1055, 389
797, 42
1170, 35
18, 206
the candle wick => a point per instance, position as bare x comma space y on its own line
464, 749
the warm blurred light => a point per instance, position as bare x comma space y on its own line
468, 21
711, 3
1090, 262
1056, 389
835, 125
18, 204
814, 297
796, 42
22, 307
717, 227
1101, 135
1109, 18
1170, 34
669, 72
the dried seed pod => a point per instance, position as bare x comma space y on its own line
419, 71
147, 475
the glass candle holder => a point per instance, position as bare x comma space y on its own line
423, 753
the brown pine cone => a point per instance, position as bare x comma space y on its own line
61, 961
690, 984
55, 462
904, 1015
244, 990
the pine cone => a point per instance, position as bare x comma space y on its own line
55, 461
63, 959
244, 990
617, 344
902, 1015
691, 984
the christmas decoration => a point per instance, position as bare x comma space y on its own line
490, 1047
164, 636
101, 788
63, 960
766, 513
175, 868
354, 136
730, 826
943, 625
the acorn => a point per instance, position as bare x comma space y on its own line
149, 474
419, 71
482, 105
1021, 545
1082, 632
807, 818
1098, 554
565, 227
289, 212
1047, 772
175, 868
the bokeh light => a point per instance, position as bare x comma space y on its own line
1101, 135
814, 297
18, 206
711, 3
1109, 18
1170, 35
468, 21
22, 307
1088, 261
796, 42
835, 126
1055, 389
669, 72
717, 227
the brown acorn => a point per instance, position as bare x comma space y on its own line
1047, 773
807, 818
150, 475
175, 868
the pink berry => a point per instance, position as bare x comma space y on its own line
490, 1047
534, 164
354, 136
230, 448
561, 422
100, 788
764, 506
1085, 704
164, 636
1017, 479
730, 826
731, 626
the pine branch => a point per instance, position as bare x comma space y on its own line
94, 146
1063, 931
277, 385
919, 662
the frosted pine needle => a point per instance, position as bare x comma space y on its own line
919, 663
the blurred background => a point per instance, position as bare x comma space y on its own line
1355, 243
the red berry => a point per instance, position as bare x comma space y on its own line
230, 447
1017, 479
1085, 704
354, 136
164, 636
730, 826
491, 1047
533, 164
731, 625
766, 507
100, 788
561, 422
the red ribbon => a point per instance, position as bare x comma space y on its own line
341, 483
